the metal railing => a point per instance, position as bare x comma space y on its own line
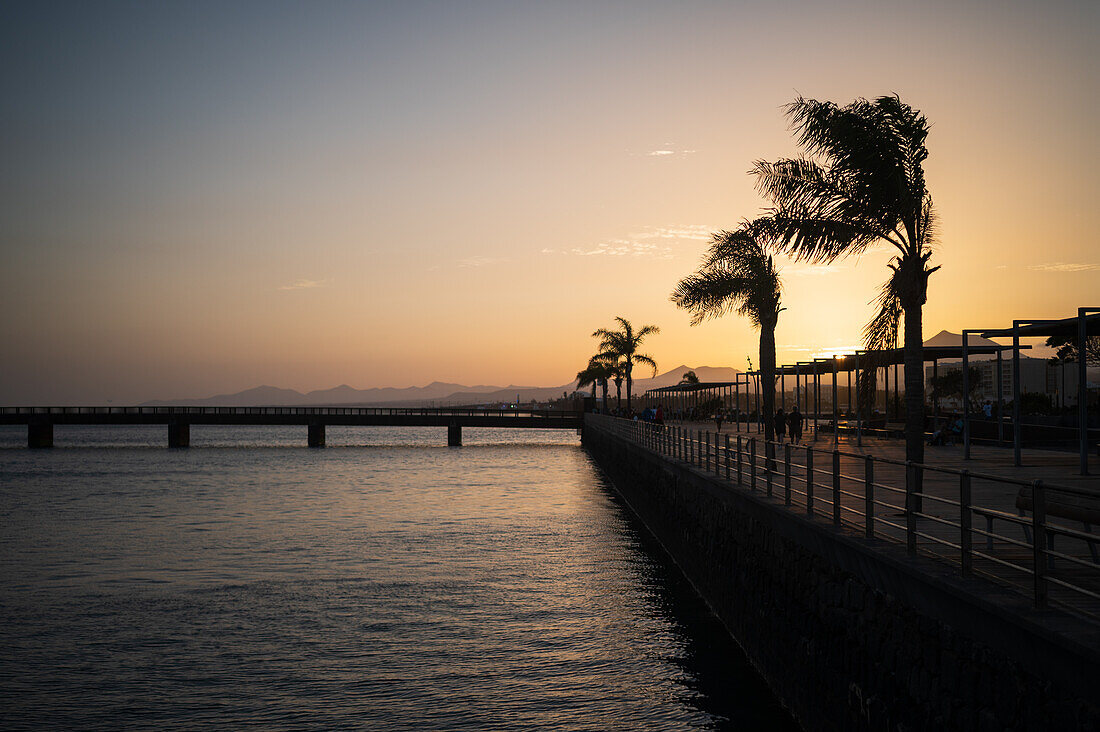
878, 498
294, 411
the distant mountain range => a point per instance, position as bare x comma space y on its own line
437, 393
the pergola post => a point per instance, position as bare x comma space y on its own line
1016, 393
836, 404
859, 412
849, 373
737, 401
935, 394
897, 391
817, 397
1083, 389
782, 390
886, 392
1001, 400
966, 394
759, 416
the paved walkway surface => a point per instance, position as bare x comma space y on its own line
1000, 533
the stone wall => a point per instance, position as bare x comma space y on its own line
852, 633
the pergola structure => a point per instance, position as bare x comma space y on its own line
1079, 329
807, 382
745, 390
682, 397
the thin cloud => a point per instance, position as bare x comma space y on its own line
667, 150
693, 232
655, 243
1064, 267
305, 285
480, 261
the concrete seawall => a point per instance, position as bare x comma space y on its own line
852, 633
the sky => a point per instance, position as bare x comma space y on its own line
198, 198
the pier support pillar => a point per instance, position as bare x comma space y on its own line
40, 435
179, 434
454, 435
317, 435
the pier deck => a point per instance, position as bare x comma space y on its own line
41, 420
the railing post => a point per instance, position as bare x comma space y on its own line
966, 516
809, 481
727, 456
836, 486
752, 464
740, 449
1039, 541
717, 456
706, 452
869, 497
769, 464
910, 508
787, 474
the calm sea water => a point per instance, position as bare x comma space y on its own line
385, 582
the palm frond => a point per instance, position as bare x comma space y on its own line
736, 275
647, 360
882, 331
868, 183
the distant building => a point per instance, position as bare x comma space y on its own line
1033, 378
1037, 375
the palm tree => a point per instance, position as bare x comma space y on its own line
689, 377
595, 373
622, 345
738, 275
616, 371
860, 183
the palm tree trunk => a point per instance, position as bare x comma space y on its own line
603, 385
914, 385
619, 395
629, 380
767, 379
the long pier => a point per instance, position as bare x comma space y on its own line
40, 421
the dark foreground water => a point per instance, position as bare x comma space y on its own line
386, 582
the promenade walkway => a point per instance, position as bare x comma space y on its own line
974, 514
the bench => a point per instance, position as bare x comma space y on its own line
1083, 507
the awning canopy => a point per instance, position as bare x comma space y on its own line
887, 357
1067, 327
702, 386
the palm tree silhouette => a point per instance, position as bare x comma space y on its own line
689, 377
859, 184
595, 373
738, 275
616, 371
622, 345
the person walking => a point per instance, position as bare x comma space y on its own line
794, 422
780, 425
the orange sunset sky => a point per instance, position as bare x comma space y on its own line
204, 197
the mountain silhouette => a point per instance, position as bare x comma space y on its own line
438, 393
